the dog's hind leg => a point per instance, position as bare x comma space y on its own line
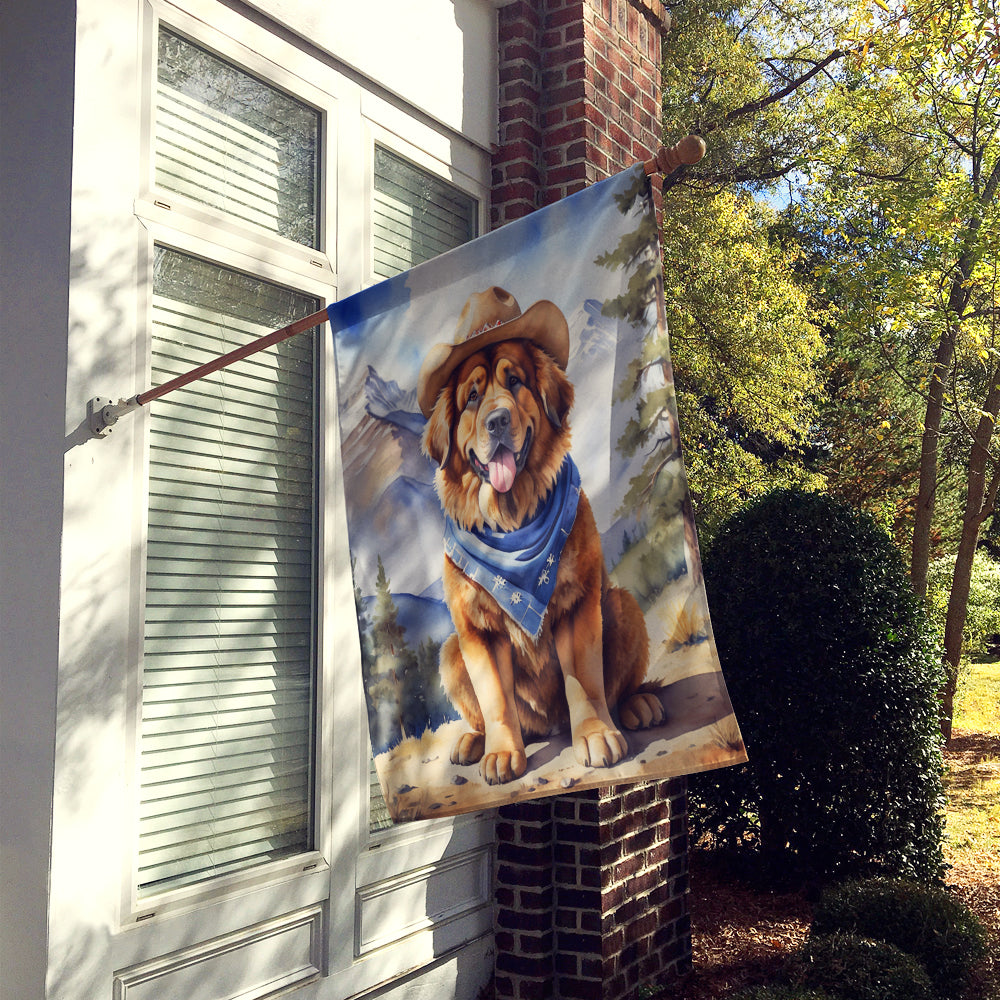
468, 749
626, 659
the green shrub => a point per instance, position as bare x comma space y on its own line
856, 968
925, 922
833, 673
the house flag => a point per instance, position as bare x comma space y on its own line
531, 610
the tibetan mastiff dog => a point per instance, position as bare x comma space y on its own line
528, 657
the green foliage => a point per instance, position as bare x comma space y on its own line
926, 922
983, 611
833, 673
857, 968
747, 355
742, 75
744, 336
877, 125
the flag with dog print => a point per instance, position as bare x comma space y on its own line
530, 605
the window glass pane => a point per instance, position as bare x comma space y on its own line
416, 215
228, 655
231, 141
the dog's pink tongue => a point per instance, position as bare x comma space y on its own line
502, 470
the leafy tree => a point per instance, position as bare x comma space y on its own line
745, 76
982, 621
747, 355
912, 189
879, 123
747, 351
865, 440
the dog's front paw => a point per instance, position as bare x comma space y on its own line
468, 748
503, 766
597, 744
641, 711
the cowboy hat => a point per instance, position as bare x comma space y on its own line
488, 318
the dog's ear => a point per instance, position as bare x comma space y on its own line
555, 390
436, 440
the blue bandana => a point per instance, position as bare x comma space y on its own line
519, 567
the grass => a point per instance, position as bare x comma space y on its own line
972, 848
973, 784
978, 698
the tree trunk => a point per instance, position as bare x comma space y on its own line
979, 500
920, 553
958, 300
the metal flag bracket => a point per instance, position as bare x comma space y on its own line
103, 413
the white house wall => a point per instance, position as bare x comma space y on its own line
73, 290
36, 112
431, 53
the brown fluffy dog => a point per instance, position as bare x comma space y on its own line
592, 652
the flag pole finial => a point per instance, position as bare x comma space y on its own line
668, 158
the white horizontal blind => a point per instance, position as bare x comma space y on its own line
228, 658
416, 216
228, 140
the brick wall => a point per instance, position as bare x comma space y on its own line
591, 893
591, 888
579, 96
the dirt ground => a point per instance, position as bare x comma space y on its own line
742, 935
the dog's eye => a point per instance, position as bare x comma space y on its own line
473, 398
513, 381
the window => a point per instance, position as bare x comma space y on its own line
230, 141
210, 835
229, 647
416, 215
227, 701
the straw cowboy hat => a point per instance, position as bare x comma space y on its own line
488, 318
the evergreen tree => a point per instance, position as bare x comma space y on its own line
390, 660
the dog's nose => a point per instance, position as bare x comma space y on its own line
498, 422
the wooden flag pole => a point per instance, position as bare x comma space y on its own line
103, 413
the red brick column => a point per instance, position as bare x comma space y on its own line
524, 902
579, 96
591, 888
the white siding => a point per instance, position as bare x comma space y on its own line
76, 299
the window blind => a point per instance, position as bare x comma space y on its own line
228, 652
415, 216
228, 140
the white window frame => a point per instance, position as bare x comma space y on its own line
351, 872
180, 224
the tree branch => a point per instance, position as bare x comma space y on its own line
753, 107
